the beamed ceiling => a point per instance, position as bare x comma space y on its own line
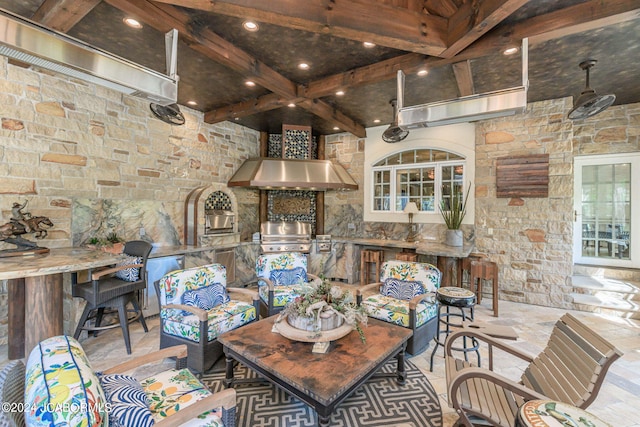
460, 42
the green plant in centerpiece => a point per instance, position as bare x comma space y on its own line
457, 209
321, 296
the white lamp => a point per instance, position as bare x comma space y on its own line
411, 208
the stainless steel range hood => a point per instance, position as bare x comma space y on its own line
292, 174
31, 43
468, 108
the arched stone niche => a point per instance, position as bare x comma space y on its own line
201, 199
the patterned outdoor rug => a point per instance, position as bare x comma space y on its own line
379, 402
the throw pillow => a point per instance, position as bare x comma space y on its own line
294, 276
206, 297
402, 289
129, 274
129, 403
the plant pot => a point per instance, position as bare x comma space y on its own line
453, 238
326, 322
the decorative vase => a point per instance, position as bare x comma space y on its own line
453, 237
327, 321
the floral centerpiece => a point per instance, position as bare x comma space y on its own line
320, 299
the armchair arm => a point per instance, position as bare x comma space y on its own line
361, 289
225, 399
269, 283
179, 351
313, 277
202, 314
419, 298
253, 294
490, 341
98, 274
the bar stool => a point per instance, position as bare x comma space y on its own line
407, 256
464, 267
482, 270
367, 258
454, 297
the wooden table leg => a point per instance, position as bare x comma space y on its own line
43, 304
16, 318
448, 266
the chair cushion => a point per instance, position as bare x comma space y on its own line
129, 403
61, 387
172, 390
293, 276
222, 318
129, 274
175, 283
282, 295
281, 261
424, 273
207, 297
402, 289
396, 311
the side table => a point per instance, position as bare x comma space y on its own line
549, 413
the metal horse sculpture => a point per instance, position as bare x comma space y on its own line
12, 232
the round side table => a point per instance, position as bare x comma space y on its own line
549, 413
454, 298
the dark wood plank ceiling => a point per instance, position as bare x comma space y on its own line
458, 41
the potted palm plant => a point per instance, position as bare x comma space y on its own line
453, 216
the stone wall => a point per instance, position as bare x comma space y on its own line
62, 139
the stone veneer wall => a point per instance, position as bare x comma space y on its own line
63, 139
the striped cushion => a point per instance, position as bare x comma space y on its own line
207, 297
129, 274
129, 403
286, 277
402, 289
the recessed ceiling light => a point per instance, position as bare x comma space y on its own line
369, 45
133, 23
340, 93
336, 128
303, 66
291, 105
376, 121
236, 118
249, 83
250, 26
192, 103
422, 72
510, 51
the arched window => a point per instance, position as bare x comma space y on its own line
423, 176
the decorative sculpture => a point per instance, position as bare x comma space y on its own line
22, 222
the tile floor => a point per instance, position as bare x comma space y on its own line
617, 401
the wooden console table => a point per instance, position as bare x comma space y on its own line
36, 294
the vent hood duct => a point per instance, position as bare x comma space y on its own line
468, 108
34, 44
292, 174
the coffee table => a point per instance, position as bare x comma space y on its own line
321, 380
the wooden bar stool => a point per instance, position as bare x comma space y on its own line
407, 256
464, 267
482, 270
368, 257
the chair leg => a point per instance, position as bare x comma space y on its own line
136, 307
83, 320
99, 315
124, 324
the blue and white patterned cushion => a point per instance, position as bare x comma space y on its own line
402, 289
129, 274
207, 297
293, 276
129, 402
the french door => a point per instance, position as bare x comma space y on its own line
607, 210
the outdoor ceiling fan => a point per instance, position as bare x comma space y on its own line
589, 103
168, 113
394, 133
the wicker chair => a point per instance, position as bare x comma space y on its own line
416, 309
570, 369
198, 326
115, 288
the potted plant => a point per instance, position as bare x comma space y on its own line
324, 306
112, 243
453, 216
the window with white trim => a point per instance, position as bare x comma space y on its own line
423, 176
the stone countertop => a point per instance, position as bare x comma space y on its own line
163, 251
425, 247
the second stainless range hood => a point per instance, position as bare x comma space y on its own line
467, 108
34, 44
292, 174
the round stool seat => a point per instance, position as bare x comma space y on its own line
456, 297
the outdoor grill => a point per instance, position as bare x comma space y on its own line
285, 236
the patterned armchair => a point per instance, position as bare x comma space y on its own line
406, 298
279, 278
195, 307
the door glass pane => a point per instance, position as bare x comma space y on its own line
606, 211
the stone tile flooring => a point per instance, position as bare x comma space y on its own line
617, 401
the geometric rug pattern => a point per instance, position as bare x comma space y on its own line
379, 402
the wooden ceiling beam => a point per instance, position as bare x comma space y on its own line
362, 20
332, 115
475, 19
464, 77
264, 103
62, 15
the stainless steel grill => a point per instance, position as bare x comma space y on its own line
285, 236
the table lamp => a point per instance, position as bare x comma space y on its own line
411, 208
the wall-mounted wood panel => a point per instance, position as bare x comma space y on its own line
522, 176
